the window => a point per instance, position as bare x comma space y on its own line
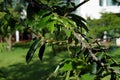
111, 3
75, 1
101, 2
108, 3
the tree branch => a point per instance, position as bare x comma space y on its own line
73, 9
95, 59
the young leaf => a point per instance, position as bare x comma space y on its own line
87, 76
41, 51
68, 32
66, 23
44, 21
32, 50
67, 67
51, 26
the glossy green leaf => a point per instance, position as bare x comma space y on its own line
32, 50
44, 21
66, 23
94, 68
41, 51
78, 63
83, 25
72, 23
44, 13
51, 26
87, 77
77, 17
86, 69
79, 21
67, 67
68, 32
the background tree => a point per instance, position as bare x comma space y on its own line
10, 19
108, 22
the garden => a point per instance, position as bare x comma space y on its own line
60, 45
14, 67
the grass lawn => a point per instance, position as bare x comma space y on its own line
14, 67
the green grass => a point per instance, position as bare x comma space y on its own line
12, 57
14, 67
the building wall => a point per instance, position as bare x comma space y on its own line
93, 8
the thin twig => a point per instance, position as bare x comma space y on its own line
79, 5
93, 55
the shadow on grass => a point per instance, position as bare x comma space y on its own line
36, 70
33, 71
22, 45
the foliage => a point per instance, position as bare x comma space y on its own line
9, 19
108, 22
13, 66
35, 70
2, 47
57, 25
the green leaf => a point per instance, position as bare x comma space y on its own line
87, 77
66, 23
94, 68
68, 75
72, 23
51, 26
68, 32
1, 1
44, 13
86, 69
41, 51
77, 17
32, 50
67, 67
44, 21
83, 25
101, 55
79, 21
2, 14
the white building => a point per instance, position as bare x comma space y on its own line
94, 8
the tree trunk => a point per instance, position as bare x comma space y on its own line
9, 42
